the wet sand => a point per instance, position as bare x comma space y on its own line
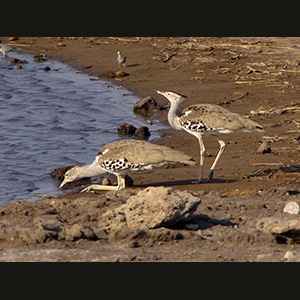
256, 77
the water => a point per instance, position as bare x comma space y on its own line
53, 119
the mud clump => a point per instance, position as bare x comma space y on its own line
151, 208
126, 129
146, 106
142, 133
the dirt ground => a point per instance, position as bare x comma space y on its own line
253, 76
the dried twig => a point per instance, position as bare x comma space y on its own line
267, 164
234, 100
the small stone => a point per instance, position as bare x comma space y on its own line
134, 244
39, 58
146, 105
265, 147
107, 74
291, 208
18, 67
106, 181
142, 133
291, 256
14, 61
47, 68
126, 129
60, 45
121, 74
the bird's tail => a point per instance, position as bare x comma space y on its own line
253, 126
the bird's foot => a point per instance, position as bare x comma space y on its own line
87, 189
197, 181
210, 175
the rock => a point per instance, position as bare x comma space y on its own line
281, 228
276, 225
126, 129
142, 133
78, 231
60, 45
291, 208
107, 74
13, 38
47, 68
150, 208
292, 256
18, 67
40, 58
265, 147
146, 105
106, 181
14, 60
121, 74
18, 61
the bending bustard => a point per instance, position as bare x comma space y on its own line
206, 119
125, 156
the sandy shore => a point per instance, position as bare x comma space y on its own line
262, 73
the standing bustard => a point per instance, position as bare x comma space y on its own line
206, 119
125, 156
121, 59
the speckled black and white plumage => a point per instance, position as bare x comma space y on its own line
214, 119
126, 156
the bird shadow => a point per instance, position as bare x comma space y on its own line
132, 65
185, 182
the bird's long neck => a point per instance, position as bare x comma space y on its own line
173, 114
91, 170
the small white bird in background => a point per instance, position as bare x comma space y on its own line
4, 49
121, 59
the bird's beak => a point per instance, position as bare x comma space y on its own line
161, 93
63, 183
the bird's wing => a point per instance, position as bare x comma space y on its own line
216, 118
135, 152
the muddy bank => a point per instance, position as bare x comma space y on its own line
152, 224
256, 77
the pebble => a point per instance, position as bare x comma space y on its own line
142, 133
106, 181
126, 129
291, 208
39, 58
47, 68
121, 74
107, 74
265, 147
291, 256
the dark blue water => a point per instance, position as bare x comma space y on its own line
53, 119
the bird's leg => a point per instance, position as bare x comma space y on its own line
121, 182
222, 147
202, 152
99, 187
